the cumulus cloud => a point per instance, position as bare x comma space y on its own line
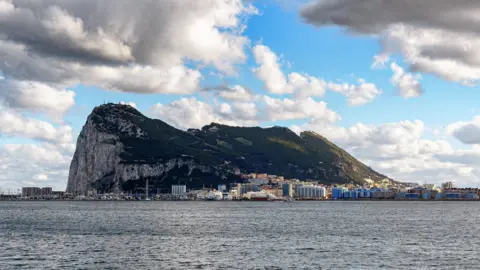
434, 36
288, 109
358, 135
407, 84
306, 85
15, 124
466, 132
469, 157
303, 85
129, 103
269, 71
121, 45
359, 94
35, 165
37, 97
233, 93
19, 64
380, 61
191, 113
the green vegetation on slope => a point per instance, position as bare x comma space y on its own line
275, 150
288, 144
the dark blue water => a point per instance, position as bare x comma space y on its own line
239, 235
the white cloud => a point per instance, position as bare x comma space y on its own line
288, 109
191, 113
466, 132
129, 103
112, 44
434, 36
406, 83
14, 124
464, 157
359, 94
17, 63
35, 165
41, 177
304, 85
235, 93
37, 97
269, 71
380, 61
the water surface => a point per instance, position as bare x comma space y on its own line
239, 235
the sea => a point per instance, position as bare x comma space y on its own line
239, 235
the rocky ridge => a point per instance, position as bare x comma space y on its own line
119, 149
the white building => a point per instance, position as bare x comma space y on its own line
448, 185
179, 189
310, 191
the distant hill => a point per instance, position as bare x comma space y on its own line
119, 149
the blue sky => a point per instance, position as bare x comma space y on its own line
417, 128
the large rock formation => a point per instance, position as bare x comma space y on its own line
119, 149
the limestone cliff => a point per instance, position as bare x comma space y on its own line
106, 157
119, 149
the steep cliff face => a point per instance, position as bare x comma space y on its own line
97, 156
119, 149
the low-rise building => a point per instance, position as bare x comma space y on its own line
287, 190
448, 185
31, 192
277, 192
179, 189
313, 192
46, 192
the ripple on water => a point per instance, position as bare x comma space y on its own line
239, 235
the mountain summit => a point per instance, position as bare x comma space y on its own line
119, 149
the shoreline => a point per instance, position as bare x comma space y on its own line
285, 201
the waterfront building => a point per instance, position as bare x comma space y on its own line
412, 196
276, 192
337, 192
452, 196
236, 187
312, 192
249, 187
287, 190
46, 192
179, 189
448, 185
31, 192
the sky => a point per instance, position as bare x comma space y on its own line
395, 83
